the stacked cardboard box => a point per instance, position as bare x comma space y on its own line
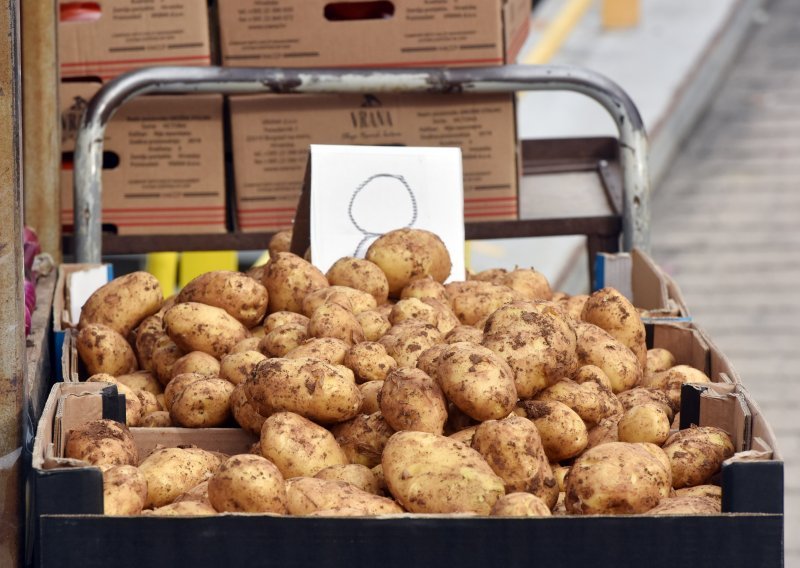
163, 156
271, 134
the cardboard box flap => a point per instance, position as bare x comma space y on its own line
685, 343
231, 441
724, 408
761, 429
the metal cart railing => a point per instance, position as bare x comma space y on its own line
632, 196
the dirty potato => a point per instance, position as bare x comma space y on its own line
244, 412
609, 310
308, 495
355, 474
520, 505
474, 300
241, 296
589, 400
104, 443
369, 361
425, 288
278, 319
363, 438
202, 404
530, 284
597, 347
696, 454
283, 339
124, 490
406, 341
332, 320
562, 431
411, 400
288, 279
173, 471
236, 368
360, 274
328, 349
247, 484
644, 423
123, 303
198, 327
298, 446
354, 300
103, 350
196, 362
370, 391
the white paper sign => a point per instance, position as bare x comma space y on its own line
361, 192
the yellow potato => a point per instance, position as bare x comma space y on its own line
198, 327
428, 360
464, 333
589, 400
360, 274
236, 368
370, 391
197, 362
644, 423
298, 446
238, 294
147, 334
363, 438
597, 347
103, 350
696, 454
158, 419
288, 278
309, 387
710, 491
182, 509
474, 300
141, 380
425, 288
177, 384
251, 343
198, 493
244, 412
123, 303
532, 285
202, 404
173, 471
280, 242
308, 495
592, 374
429, 310
104, 443
427, 473
355, 474
520, 505
124, 490
165, 354
687, 505
278, 319
562, 431
407, 340
373, 324
513, 449
353, 300
332, 320
610, 310
369, 361
643, 395
658, 359
411, 400
247, 484
283, 339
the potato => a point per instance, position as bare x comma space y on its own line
165, 354
493, 275
537, 343
104, 443
406, 341
574, 305
531, 285
198, 327
674, 379
363, 438
141, 380
355, 474
103, 350
464, 436
592, 374
411, 400
251, 343
361, 275
658, 359
146, 335
328, 349
642, 395
520, 505
247, 484
197, 362
202, 404
428, 310
606, 431
149, 402
309, 387
428, 360
687, 505
644, 423
560, 472
696, 454
597, 347
244, 412
182, 509
236, 368
373, 324
173, 471
425, 288
710, 491
332, 320
589, 400
513, 449
464, 333
307, 495
370, 391
123, 303
288, 279
297, 446
407, 254
278, 319
280, 242
369, 361
477, 381
198, 493
475, 300
562, 431
616, 479
427, 473
158, 419
124, 490
353, 300
609, 310
239, 295
283, 339
177, 384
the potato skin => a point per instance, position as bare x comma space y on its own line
103, 350
171, 472
280, 242
696, 454
427, 473
363, 438
241, 296
520, 505
198, 327
244, 412
610, 310
477, 381
562, 431
513, 449
370, 391
597, 347
589, 400
406, 341
355, 474
644, 423
309, 387
474, 300
124, 490
123, 303
425, 288
182, 509
411, 400
407, 254
197, 362
236, 368
203, 404
278, 319
102, 443
329, 349
352, 299
288, 278
360, 274
247, 484
373, 324
616, 479
687, 505
369, 361
141, 380
332, 320
158, 419
307, 495
532, 285
282, 339
297, 446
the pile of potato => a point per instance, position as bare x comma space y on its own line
377, 389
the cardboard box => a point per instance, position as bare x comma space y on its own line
163, 160
105, 38
271, 136
66, 503
400, 33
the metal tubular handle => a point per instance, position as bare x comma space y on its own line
244, 80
